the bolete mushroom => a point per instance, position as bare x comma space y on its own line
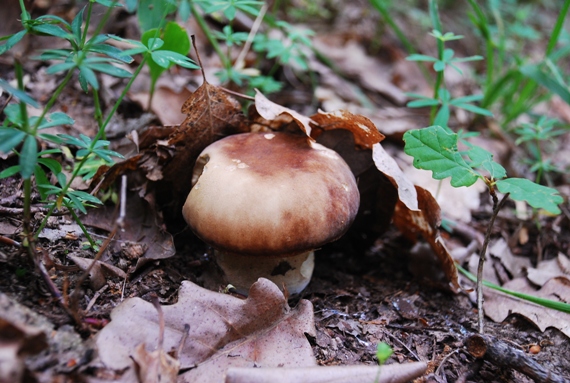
265, 201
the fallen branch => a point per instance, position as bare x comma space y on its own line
503, 355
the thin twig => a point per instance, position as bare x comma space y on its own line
404, 345
237, 94
74, 299
9, 241
482, 255
239, 63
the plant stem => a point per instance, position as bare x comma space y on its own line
211, 39
483, 253
81, 226
440, 45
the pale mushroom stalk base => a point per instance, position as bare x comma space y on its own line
292, 272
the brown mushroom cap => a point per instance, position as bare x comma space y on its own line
270, 194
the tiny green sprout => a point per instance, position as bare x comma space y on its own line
383, 352
21, 272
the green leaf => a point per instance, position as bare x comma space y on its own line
537, 196
13, 40
51, 164
418, 57
383, 352
76, 25
41, 181
483, 159
55, 119
60, 67
474, 109
175, 39
28, 157
109, 69
109, 3
160, 60
9, 172
435, 149
19, 94
442, 116
10, 138
151, 12
89, 76
534, 72
112, 52
175, 58
52, 30
184, 10
422, 103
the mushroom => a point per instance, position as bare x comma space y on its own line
265, 202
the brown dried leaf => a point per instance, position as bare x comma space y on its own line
211, 114
155, 366
142, 225
17, 342
388, 166
365, 132
552, 268
499, 306
271, 111
424, 223
225, 331
392, 373
99, 272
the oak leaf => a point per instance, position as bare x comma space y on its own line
225, 331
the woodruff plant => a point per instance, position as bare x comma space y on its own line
84, 57
435, 148
287, 49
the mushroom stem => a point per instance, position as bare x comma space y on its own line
292, 272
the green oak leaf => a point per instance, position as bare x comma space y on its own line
483, 159
435, 149
537, 196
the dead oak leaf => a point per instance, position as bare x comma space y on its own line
388, 166
365, 132
210, 115
271, 111
425, 223
225, 331
142, 224
499, 306
155, 366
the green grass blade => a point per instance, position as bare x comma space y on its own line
560, 306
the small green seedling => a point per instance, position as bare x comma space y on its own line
383, 352
435, 148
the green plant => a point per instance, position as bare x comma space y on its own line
515, 83
435, 148
289, 48
174, 48
536, 136
21, 133
383, 353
